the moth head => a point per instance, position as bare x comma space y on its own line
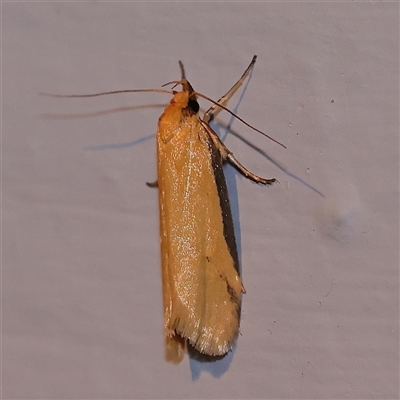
186, 98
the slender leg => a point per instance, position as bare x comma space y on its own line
228, 156
248, 174
213, 111
152, 184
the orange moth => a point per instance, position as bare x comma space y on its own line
202, 287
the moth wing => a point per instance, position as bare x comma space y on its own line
201, 282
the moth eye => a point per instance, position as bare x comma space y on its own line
193, 105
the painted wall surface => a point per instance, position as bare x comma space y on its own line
81, 282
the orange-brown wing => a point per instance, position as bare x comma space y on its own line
201, 283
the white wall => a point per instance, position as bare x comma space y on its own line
81, 284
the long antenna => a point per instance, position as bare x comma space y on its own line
185, 85
105, 93
236, 116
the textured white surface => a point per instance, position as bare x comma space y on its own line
81, 284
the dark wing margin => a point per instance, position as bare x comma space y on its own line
229, 231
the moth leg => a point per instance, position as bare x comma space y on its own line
214, 110
227, 155
152, 184
248, 174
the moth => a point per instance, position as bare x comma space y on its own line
202, 286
